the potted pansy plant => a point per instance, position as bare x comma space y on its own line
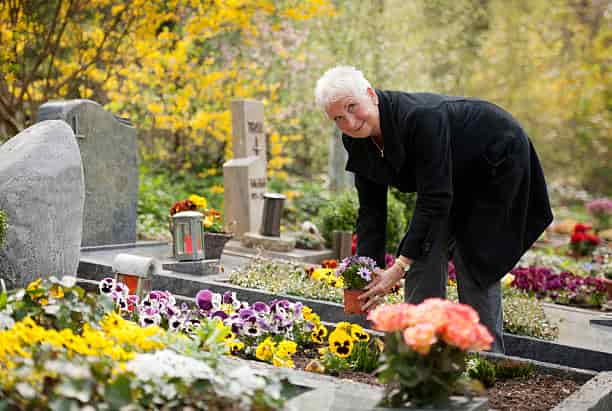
356, 272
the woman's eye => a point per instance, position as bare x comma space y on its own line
338, 119
351, 107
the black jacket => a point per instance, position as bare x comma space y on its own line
468, 160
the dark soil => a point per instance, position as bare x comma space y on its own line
539, 392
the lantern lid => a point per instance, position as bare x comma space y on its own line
274, 196
188, 214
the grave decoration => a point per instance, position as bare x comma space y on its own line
425, 349
187, 237
215, 234
355, 272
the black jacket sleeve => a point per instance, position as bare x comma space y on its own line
433, 167
371, 219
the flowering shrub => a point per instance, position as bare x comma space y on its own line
356, 272
582, 243
425, 349
601, 210
565, 287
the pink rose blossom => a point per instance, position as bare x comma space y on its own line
392, 317
420, 337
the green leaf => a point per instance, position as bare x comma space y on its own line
119, 393
64, 404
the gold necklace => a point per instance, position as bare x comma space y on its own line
382, 153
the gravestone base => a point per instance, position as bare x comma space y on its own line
201, 267
255, 240
235, 247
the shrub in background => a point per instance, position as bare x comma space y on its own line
340, 213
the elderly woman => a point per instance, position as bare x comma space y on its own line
481, 194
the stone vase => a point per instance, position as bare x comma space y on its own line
351, 304
214, 244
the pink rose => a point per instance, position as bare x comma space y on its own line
392, 317
420, 337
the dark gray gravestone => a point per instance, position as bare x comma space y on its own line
110, 165
42, 192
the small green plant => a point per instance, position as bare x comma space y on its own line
3, 226
508, 369
482, 370
365, 355
340, 213
332, 363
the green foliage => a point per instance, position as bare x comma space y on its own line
365, 356
482, 370
334, 364
3, 226
307, 241
509, 369
280, 277
524, 315
340, 213
159, 191
420, 379
53, 303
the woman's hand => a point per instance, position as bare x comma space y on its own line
380, 286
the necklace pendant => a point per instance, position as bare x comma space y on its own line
382, 154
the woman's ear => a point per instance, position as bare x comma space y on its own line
372, 95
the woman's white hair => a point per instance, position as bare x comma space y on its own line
338, 82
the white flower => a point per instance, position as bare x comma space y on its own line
168, 364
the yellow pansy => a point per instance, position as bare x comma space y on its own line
318, 334
340, 343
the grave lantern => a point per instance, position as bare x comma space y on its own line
188, 239
135, 272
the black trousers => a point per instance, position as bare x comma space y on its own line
428, 278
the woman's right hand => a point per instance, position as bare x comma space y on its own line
380, 286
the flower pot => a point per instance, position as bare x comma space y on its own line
608, 283
351, 304
214, 243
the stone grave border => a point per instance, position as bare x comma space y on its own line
587, 366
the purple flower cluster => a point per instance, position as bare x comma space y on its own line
155, 308
564, 287
356, 271
278, 317
600, 206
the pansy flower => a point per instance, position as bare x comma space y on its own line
106, 286
340, 343
318, 334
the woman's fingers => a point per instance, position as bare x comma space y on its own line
368, 294
371, 303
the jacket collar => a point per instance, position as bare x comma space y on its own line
395, 152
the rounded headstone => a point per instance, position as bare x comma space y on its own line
43, 191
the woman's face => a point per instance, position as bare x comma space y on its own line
356, 116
